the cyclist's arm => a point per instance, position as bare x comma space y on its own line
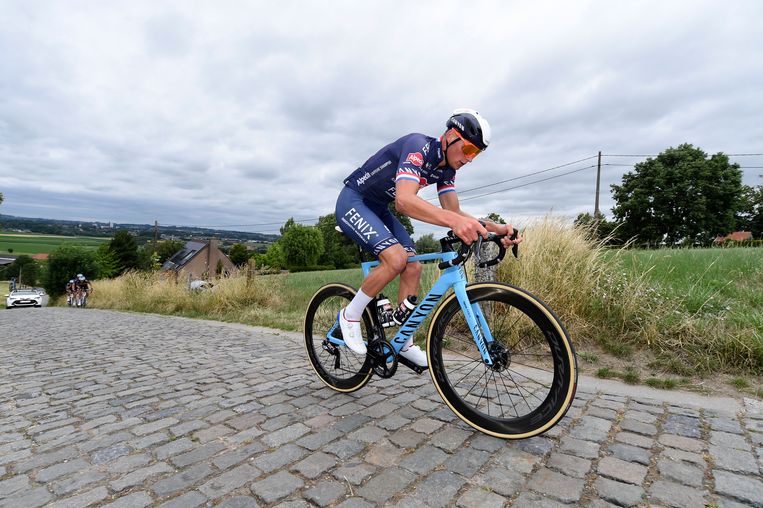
449, 201
408, 203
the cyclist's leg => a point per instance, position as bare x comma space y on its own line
411, 274
392, 262
363, 223
360, 221
409, 281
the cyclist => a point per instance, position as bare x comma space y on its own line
84, 288
71, 289
395, 174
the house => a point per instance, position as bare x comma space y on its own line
40, 257
737, 236
200, 260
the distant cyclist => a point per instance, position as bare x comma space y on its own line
71, 290
84, 288
395, 174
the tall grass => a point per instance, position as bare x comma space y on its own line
239, 299
620, 307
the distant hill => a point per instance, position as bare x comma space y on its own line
83, 228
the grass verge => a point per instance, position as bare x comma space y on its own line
702, 315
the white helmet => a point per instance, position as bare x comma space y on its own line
471, 125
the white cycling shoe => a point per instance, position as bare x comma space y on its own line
351, 333
414, 354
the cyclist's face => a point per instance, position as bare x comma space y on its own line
456, 156
460, 151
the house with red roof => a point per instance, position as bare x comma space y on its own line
736, 236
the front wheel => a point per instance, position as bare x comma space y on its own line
339, 367
532, 380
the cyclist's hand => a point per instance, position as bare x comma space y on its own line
468, 229
506, 241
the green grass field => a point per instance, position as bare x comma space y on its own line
23, 243
724, 284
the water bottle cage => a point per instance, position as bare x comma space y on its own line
384, 312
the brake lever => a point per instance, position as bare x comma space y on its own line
478, 250
515, 247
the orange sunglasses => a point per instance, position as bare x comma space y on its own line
469, 150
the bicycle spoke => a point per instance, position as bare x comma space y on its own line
487, 401
338, 366
503, 382
459, 381
519, 391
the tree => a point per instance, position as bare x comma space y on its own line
288, 224
274, 257
24, 269
125, 249
108, 264
750, 214
426, 244
602, 228
239, 254
756, 222
167, 248
302, 245
338, 250
28, 274
65, 263
404, 219
679, 196
495, 218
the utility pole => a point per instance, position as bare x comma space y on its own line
156, 233
596, 212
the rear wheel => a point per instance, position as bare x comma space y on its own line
532, 380
339, 367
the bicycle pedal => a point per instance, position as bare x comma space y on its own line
415, 368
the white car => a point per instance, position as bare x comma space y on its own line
26, 298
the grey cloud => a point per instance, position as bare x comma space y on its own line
215, 112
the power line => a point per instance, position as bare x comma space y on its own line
631, 155
655, 155
460, 191
259, 224
464, 191
530, 183
526, 175
632, 166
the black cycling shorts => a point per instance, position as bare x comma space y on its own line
370, 224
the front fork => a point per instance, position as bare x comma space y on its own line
475, 318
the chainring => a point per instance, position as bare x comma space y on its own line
384, 358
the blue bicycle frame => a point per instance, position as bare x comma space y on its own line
453, 277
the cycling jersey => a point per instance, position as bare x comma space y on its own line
361, 209
414, 157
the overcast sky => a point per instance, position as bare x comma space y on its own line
241, 114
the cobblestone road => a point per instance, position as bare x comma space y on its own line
102, 408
